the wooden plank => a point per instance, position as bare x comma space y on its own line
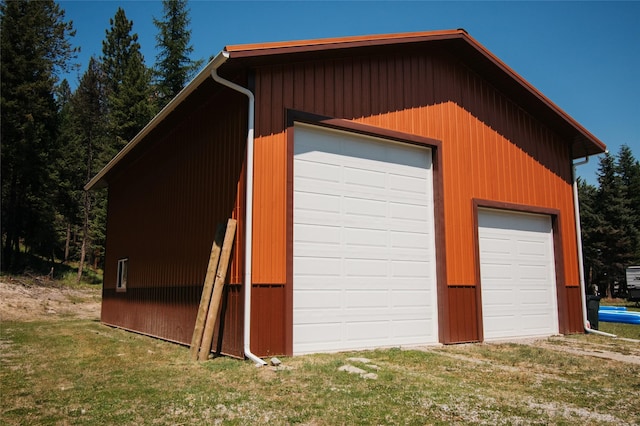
221, 276
205, 299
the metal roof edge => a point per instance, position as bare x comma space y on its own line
296, 46
98, 180
300, 46
292, 47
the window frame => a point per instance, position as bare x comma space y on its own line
122, 275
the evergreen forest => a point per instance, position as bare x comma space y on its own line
610, 219
54, 139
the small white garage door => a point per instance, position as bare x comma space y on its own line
517, 275
364, 251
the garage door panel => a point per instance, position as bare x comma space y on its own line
411, 299
330, 334
368, 179
409, 255
534, 274
404, 331
517, 274
331, 298
316, 266
367, 331
320, 234
365, 267
497, 272
407, 184
366, 298
501, 325
364, 237
411, 240
315, 202
534, 249
360, 150
411, 269
498, 299
408, 212
495, 248
382, 204
319, 170
364, 207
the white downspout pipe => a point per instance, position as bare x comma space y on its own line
220, 59
583, 293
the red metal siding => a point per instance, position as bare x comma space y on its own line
267, 319
163, 211
574, 311
491, 149
462, 315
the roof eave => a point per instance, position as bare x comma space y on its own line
582, 141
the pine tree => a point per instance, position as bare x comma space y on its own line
628, 169
590, 220
174, 68
116, 48
88, 108
614, 233
70, 167
128, 85
130, 106
35, 44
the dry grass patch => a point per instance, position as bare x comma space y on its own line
81, 372
64, 370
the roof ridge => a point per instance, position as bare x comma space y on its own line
374, 39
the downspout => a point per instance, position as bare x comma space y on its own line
220, 59
583, 293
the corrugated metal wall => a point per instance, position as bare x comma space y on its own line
192, 179
491, 149
163, 213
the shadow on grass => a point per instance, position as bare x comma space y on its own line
39, 268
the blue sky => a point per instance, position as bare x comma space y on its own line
584, 56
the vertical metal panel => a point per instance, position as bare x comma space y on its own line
574, 311
462, 315
164, 208
491, 149
267, 319
163, 213
510, 156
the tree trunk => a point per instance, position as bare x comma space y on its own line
87, 208
85, 234
9, 225
67, 243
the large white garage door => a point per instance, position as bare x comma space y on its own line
364, 252
517, 275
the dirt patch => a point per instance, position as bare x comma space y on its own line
631, 356
38, 299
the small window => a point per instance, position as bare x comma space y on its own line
123, 267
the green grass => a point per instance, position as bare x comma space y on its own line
630, 331
81, 372
66, 274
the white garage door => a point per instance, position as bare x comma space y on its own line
517, 275
364, 252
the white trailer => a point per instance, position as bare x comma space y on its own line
633, 283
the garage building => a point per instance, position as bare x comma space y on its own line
390, 190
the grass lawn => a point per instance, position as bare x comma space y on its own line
631, 331
69, 371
